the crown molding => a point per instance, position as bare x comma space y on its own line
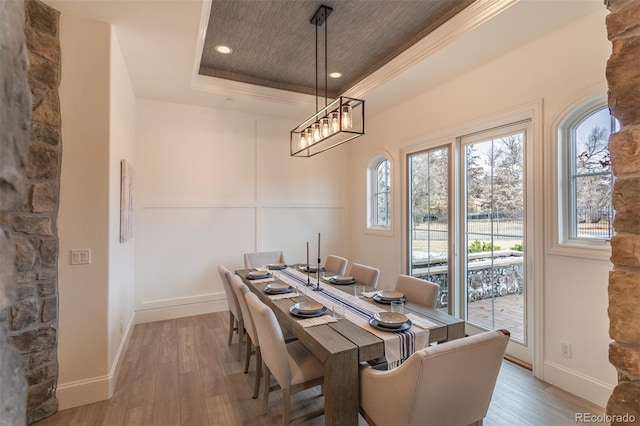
464, 22
461, 24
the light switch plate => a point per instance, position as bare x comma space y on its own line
80, 256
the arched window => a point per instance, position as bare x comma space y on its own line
380, 193
588, 180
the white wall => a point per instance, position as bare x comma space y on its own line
98, 129
122, 109
213, 184
552, 69
83, 220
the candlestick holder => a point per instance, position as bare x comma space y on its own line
317, 287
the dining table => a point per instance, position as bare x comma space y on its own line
344, 344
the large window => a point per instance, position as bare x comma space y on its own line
589, 181
380, 191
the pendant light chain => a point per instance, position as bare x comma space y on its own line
326, 61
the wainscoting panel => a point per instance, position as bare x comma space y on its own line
182, 247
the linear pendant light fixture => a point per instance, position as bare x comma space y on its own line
338, 122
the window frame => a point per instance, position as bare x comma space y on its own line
566, 243
373, 193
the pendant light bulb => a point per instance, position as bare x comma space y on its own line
309, 132
347, 121
316, 132
303, 140
326, 129
335, 122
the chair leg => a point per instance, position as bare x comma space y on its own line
256, 386
240, 337
232, 321
247, 356
265, 396
286, 406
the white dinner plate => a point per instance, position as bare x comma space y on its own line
390, 319
390, 295
308, 307
273, 287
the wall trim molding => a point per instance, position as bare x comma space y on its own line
180, 311
150, 205
593, 390
81, 392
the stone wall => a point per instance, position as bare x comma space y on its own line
15, 116
623, 76
32, 318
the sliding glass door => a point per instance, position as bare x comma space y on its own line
429, 232
467, 228
493, 230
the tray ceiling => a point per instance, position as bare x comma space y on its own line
273, 42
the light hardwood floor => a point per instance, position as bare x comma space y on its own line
181, 372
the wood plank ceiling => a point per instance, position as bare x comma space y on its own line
274, 42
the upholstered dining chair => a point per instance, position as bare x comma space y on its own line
236, 322
447, 384
419, 291
263, 258
336, 264
293, 366
365, 275
240, 290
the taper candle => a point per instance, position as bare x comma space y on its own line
307, 255
319, 247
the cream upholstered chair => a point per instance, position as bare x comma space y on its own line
293, 366
419, 291
365, 275
240, 290
336, 264
236, 322
263, 258
447, 384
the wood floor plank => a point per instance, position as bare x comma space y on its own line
85, 414
187, 356
140, 416
168, 342
193, 407
166, 410
144, 382
209, 365
221, 411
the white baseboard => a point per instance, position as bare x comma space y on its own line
180, 311
593, 390
81, 392
117, 361
88, 391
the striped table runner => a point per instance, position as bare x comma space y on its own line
398, 346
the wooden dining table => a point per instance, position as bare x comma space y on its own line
342, 345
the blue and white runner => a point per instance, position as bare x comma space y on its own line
398, 346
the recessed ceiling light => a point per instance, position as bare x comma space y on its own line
221, 48
335, 74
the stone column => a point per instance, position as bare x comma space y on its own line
623, 76
15, 117
32, 318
